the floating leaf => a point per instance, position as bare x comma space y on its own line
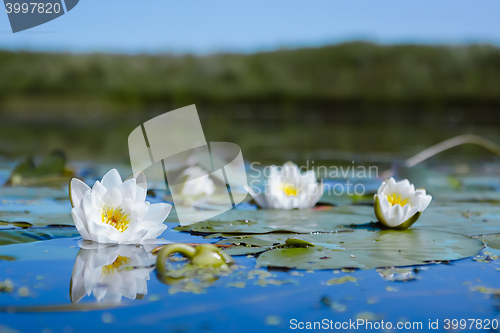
23, 219
467, 219
8, 237
366, 249
492, 241
265, 221
294, 242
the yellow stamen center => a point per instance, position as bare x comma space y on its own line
112, 268
395, 199
289, 189
115, 217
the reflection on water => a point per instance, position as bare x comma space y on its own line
111, 272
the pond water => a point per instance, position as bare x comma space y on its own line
44, 287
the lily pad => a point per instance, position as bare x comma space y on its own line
37, 220
366, 249
266, 221
51, 170
492, 241
467, 219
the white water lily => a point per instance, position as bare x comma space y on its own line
287, 188
110, 272
197, 182
398, 204
116, 212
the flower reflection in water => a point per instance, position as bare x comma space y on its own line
111, 271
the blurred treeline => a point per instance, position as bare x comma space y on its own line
353, 74
316, 103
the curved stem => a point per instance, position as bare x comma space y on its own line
450, 143
165, 252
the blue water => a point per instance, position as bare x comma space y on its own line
442, 291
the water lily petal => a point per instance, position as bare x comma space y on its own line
112, 198
403, 183
139, 210
136, 237
128, 189
423, 198
308, 177
394, 216
98, 189
390, 186
80, 222
101, 232
382, 187
112, 179
317, 193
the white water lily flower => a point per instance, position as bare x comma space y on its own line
398, 204
106, 271
288, 189
203, 184
116, 212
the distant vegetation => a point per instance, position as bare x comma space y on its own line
353, 74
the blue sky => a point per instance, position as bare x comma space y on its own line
206, 26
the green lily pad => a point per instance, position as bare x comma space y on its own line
265, 221
10, 225
366, 249
467, 219
51, 170
246, 250
8, 237
33, 193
